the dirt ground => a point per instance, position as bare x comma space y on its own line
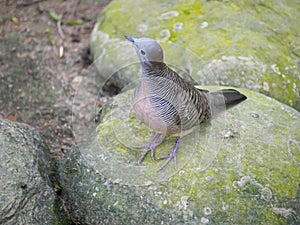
44, 50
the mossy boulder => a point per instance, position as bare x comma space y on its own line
26, 171
246, 44
240, 168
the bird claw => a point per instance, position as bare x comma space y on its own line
141, 159
150, 147
169, 158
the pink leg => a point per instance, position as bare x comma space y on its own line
151, 147
170, 156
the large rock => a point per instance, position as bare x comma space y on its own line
241, 168
26, 167
246, 44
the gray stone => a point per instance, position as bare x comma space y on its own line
246, 44
26, 168
240, 168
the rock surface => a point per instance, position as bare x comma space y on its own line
246, 44
26, 196
241, 168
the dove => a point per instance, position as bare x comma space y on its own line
167, 103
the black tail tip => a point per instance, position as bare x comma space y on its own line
233, 97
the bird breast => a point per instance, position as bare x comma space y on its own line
165, 108
145, 110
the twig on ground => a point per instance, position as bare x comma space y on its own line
28, 3
60, 31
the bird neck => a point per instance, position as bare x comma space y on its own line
151, 67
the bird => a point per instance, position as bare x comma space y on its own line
167, 103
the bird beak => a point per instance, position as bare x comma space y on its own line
129, 38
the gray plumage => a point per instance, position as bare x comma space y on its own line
167, 103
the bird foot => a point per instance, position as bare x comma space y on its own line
170, 156
150, 147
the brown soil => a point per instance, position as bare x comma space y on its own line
37, 81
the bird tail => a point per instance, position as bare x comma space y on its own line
227, 97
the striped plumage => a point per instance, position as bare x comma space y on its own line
178, 104
167, 103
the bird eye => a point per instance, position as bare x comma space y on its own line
143, 52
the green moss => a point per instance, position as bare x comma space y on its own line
266, 31
251, 172
251, 189
254, 43
62, 218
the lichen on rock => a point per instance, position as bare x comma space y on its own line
239, 43
247, 160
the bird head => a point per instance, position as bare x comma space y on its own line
147, 49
